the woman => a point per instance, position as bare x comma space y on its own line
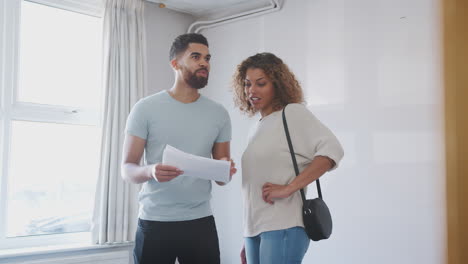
273, 226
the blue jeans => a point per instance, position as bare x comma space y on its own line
286, 246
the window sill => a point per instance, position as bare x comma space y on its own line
48, 250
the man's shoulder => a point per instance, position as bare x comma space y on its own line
159, 96
152, 101
213, 104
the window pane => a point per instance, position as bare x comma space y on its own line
52, 179
60, 57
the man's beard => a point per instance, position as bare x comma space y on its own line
195, 81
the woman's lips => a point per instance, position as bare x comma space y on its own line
254, 100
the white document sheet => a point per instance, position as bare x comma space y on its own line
196, 166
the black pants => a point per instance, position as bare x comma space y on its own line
191, 242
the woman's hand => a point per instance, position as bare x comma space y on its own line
242, 255
271, 191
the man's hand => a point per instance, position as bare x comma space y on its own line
271, 191
165, 173
233, 168
232, 172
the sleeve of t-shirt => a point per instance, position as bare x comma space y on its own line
137, 124
310, 137
226, 130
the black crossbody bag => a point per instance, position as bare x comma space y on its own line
315, 213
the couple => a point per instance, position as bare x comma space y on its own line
175, 218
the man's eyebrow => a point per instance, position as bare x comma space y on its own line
199, 54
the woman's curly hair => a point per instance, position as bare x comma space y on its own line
287, 88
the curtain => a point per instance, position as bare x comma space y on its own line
116, 206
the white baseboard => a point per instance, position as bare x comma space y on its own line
118, 257
103, 256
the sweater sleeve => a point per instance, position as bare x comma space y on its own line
310, 137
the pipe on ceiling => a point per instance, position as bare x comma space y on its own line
197, 26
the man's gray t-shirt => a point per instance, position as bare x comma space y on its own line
193, 128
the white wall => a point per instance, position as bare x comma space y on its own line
371, 71
162, 27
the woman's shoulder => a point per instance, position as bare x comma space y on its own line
297, 109
296, 106
300, 114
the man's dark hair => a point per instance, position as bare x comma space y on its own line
181, 43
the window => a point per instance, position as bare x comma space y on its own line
49, 120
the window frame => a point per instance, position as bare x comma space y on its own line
12, 110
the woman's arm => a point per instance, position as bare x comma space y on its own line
318, 167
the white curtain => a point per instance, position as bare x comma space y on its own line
116, 205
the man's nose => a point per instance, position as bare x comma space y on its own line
203, 64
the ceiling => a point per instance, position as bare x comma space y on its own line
212, 8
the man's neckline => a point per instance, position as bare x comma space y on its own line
175, 99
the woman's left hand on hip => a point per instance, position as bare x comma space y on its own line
272, 191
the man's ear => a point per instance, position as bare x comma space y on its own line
174, 64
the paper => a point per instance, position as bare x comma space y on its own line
196, 166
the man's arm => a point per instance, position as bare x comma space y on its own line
132, 171
222, 151
132, 152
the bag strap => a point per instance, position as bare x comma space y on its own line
293, 157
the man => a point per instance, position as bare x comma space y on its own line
175, 218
